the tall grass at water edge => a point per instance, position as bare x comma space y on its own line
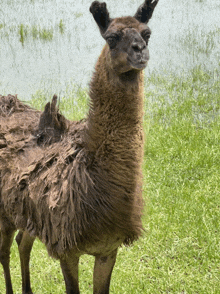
36, 32
180, 248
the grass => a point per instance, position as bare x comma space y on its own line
179, 250
36, 32
61, 26
182, 167
197, 42
22, 33
42, 33
72, 103
25, 32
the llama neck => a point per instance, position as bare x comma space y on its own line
116, 105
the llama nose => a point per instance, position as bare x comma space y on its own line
138, 46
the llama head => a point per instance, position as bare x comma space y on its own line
127, 37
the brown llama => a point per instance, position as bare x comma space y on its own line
77, 185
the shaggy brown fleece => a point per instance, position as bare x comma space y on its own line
56, 187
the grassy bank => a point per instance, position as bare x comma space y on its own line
179, 251
182, 185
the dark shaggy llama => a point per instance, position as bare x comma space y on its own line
77, 185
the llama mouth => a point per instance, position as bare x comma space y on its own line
139, 64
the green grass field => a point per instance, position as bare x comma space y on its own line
180, 248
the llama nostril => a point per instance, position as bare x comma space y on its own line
138, 46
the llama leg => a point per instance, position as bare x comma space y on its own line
6, 239
69, 267
102, 272
25, 243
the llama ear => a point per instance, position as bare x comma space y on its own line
101, 15
145, 11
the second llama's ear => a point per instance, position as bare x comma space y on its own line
101, 15
145, 11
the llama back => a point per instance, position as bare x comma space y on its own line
17, 122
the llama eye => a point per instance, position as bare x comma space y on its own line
146, 36
112, 41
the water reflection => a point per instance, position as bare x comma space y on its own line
184, 34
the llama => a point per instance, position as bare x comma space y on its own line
77, 185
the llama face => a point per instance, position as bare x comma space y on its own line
127, 37
127, 40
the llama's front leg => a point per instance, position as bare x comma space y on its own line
6, 239
102, 272
69, 266
25, 243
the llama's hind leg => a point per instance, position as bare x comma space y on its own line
6, 239
69, 266
102, 272
25, 243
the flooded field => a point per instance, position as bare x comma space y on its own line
50, 45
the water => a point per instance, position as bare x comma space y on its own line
184, 34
